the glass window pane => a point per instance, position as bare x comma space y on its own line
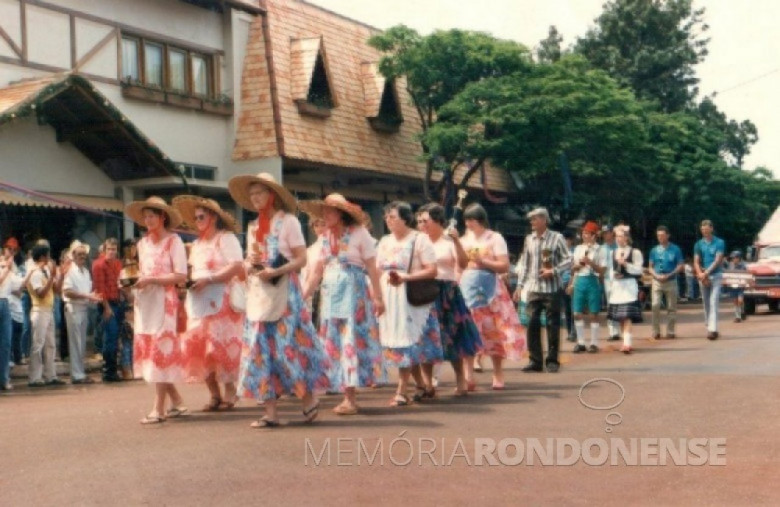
177, 73
200, 75
153, 64
130, 59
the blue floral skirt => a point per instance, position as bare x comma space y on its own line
427, 350
284, 356
459, 335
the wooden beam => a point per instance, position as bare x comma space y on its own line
4, 35
73, 51
23, 21
96, 48
52, 68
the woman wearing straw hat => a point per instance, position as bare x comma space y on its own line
348, 325
211, 347
588, 265
282, 353
162, 265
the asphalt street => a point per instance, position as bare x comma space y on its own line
82, 445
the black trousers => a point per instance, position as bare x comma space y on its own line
550, 303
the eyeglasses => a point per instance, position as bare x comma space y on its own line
200, 218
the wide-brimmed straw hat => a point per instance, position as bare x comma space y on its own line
135, 211
591, 227
338, 201
239, 190
187, 204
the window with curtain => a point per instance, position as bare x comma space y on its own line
177, 70
200, 75
130, 67
153, 64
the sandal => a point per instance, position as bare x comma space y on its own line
429, 394
264, 423
152, 419
176, 412
400, 400
471, 386
344, 409
228, 405
311, 413
498, 386
213, 405
419, 394
460, 393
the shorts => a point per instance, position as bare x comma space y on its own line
586, 297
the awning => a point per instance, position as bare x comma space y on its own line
85, 118
62, 201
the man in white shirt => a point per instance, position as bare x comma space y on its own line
9, 282
78, 295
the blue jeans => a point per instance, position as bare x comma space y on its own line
5, 341
111, 340
710, 296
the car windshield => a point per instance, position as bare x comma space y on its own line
770, 251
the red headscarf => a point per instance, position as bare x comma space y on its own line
264, 219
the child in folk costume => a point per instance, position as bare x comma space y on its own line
624, 268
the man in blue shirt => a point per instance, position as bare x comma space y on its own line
666, 261
708, 256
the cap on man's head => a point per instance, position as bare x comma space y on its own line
606, 228
539, 212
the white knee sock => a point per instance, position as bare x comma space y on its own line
627, 338
579, 325
613, 328
594, 333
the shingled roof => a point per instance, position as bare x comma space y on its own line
278, 69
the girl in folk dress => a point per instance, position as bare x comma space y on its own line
459, 335
162, 265
487, 296
625, 266
409, 334
281, 351
212, 343
348, 325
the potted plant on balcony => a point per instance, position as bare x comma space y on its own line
221, 104
134, 88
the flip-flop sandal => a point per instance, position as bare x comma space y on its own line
311, 413
227, 405
419, 394
264, 423
498, 387
176, 412
152, 419
400, 400
213, 405
429, 394
478, 369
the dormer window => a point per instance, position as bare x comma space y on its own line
383, 109
312, 89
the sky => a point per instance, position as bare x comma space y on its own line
742, 65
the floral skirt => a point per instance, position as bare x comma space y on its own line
459, 334
352, 344
427, 350
499, 326
284, 356
157, 356
212, 344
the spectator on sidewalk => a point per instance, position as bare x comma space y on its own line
105, 280
78, 295
9, 282
708, 254
666, 261
41, 288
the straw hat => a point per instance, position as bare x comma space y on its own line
239, 190
187, 204
135, 211
338, 201
78, 244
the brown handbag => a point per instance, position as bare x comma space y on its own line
420, 292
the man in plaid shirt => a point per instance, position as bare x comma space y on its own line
545, 259
105, 282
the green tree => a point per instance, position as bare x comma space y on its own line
651, 46
527, 121
549, 50
736, 138
436, 68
